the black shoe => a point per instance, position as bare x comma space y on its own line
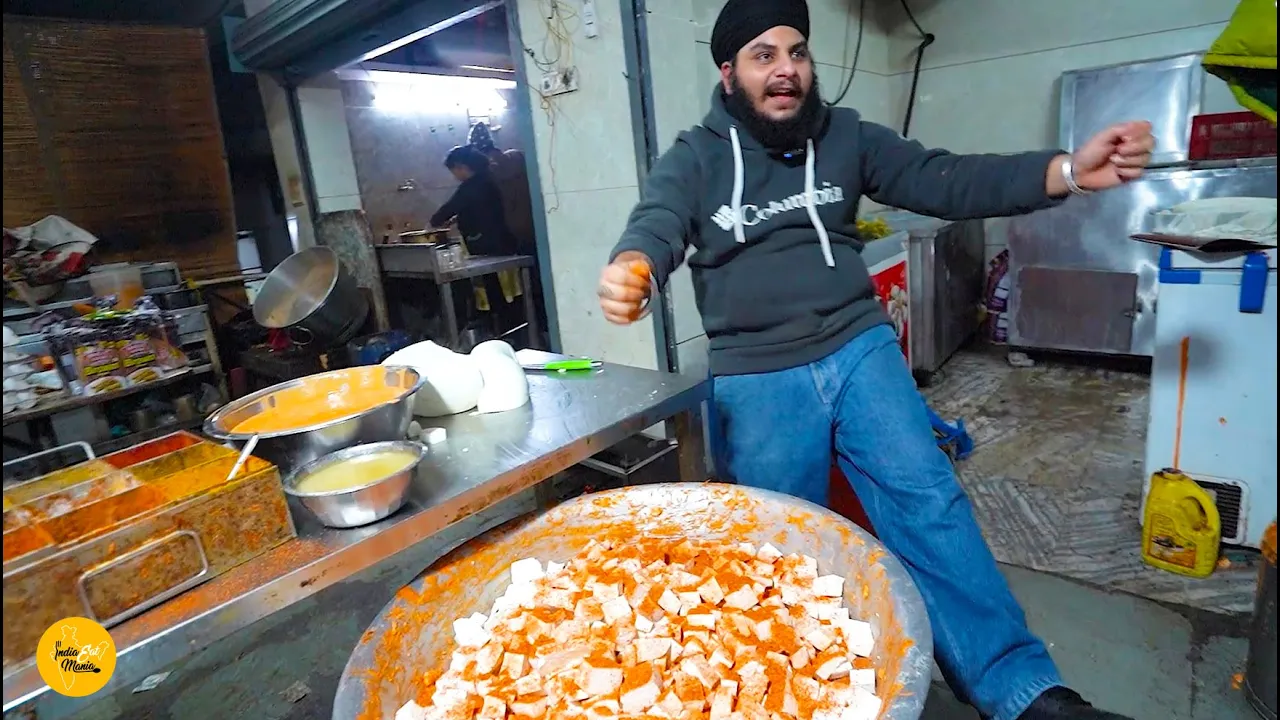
1059, 703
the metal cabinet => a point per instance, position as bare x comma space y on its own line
1080, 284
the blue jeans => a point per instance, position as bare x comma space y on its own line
778, 430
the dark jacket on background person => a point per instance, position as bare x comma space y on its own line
477, 204
779, 281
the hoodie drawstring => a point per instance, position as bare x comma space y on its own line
810, 201
735, 204
810, 196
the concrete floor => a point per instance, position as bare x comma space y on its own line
1151, 660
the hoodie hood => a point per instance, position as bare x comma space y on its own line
720, 122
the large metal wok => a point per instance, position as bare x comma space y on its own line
412, 633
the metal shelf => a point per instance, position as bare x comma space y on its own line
79, 401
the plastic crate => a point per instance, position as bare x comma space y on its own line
1230, 136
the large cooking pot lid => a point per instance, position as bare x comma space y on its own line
296, 288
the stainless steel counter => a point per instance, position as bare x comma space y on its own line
485, 459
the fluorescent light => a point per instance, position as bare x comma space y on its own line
421, 92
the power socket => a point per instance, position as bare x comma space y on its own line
559, 81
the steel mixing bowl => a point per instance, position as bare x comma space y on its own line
292, 448
412, 635
366, 503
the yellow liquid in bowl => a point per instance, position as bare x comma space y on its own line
355, 471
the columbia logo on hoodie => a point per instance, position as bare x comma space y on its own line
754, 214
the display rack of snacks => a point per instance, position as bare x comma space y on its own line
112, 537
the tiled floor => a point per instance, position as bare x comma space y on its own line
1056, 475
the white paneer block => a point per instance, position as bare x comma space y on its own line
554, 568
650, 649
615, 610
488, 659
644, 624
669, 603
801, 657
722, 700
857, 635
670, 703
514, 665
639, 699
493, 709
864, 678
833, 669
605, 592
829, 586
601, 681
865, 706
747, 549
704, 620
530, 684
525, 571
467, 632
769, 553
819, 639
699, 669
711, 592
534, 707
411, 711
744, 598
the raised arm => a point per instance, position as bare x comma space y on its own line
903, 173
661, 224
657, 234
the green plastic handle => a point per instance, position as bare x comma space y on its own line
570, 365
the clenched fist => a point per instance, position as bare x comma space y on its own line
625, 287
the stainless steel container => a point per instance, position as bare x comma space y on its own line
366, 503
945, 272
412, 634
293, 448
1260, 671
311, 289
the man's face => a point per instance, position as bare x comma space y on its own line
774, 71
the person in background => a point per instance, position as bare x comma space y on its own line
476, 208
512, 177
804, 362
513, 182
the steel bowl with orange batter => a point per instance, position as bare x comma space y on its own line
302, 420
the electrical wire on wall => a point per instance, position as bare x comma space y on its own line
926, 39
857, 50
558, 21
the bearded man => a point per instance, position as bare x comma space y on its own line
804, 362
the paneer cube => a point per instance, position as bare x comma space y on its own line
711, 592
744, 598
492, 709
526, 571
411, 711
833, 669
769, 553
819, 639
616, 610
650, 649
468, 632
669, 603
829, 586
722, 700
639, 695
857, 635
600, 681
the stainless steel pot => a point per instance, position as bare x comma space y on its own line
365, 503
311, 289
293, 448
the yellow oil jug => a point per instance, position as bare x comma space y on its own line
1181, 529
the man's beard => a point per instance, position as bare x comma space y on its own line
789, 134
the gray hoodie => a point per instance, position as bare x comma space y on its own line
777, 266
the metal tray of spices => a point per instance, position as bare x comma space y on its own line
115, 536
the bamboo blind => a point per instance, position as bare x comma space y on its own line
115, 127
